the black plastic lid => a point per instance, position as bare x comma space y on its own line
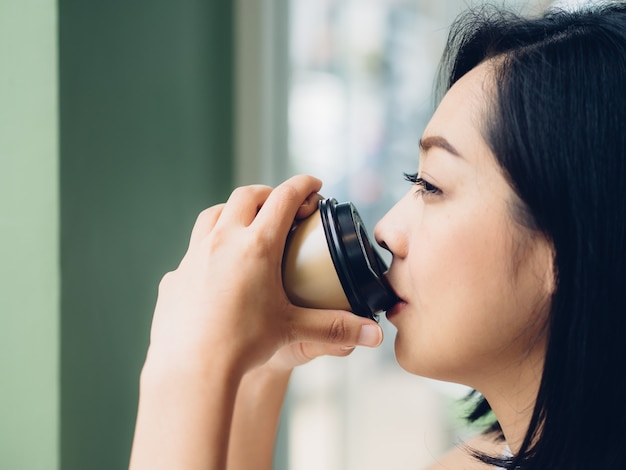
359, 267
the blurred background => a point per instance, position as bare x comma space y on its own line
119, 122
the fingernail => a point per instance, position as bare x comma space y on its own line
370, 335
312, 199
348, 348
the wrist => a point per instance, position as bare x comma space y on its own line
268, 373
185, 412
172, 369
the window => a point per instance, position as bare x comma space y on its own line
342, 89
362, 74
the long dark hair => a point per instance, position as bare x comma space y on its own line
557, 126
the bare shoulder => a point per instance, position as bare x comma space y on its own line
460, 459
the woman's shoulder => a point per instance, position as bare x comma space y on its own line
460, 458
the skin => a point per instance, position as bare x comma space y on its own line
222, 315
474, 282
225, 339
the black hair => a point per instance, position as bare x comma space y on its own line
557, 127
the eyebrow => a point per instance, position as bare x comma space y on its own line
438, 141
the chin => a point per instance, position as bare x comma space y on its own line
420, 362
404, 356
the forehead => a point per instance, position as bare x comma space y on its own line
458, 117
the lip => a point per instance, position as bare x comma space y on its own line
396, 309
399, 305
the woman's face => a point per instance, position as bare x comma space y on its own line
474, 283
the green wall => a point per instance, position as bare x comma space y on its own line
115, 131
29, 242
146, 144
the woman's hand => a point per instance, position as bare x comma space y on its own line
222, 312
227, 298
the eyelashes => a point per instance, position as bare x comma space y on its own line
423, 187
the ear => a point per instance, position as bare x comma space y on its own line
545, 258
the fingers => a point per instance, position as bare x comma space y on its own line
296, 197
244, 204
205, 222
261, 203
335, 327
280, 209
308, 206
313, 350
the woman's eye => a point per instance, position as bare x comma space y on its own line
423, 187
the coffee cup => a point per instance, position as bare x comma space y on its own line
330, 263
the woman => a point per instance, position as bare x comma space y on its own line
508, 258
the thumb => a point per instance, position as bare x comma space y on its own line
335, 326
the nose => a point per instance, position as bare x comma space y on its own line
391, 232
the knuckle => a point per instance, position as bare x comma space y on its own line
167, 280
291, 333
214, 241
304, 352
343, 352
264, 244
338, 331
288, 192
239, 191
249, 191
206, 215
207, 219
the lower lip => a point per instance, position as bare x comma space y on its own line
396, 309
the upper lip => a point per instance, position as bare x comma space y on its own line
398, 298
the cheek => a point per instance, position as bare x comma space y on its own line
459, 311
457, 257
